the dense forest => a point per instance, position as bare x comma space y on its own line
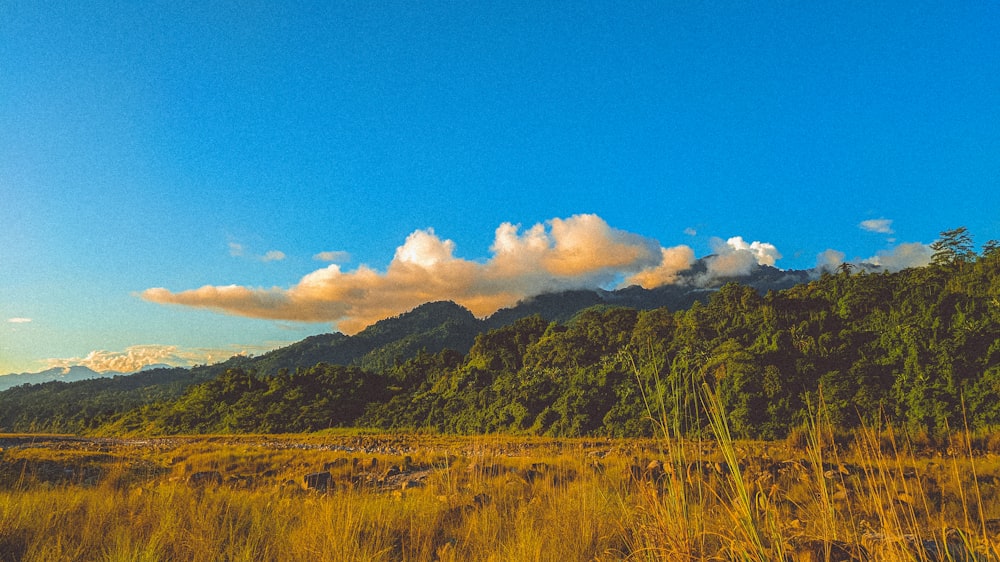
918, 348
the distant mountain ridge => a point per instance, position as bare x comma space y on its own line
431, 327
435, 326
64, 374
62, 403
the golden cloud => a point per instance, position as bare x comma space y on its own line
673, 262
576, 252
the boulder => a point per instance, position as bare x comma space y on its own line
205, 478
320, 481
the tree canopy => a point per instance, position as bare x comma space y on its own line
918, 348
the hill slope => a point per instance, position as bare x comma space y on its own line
381, 347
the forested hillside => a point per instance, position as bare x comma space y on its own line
67, 406
917, 348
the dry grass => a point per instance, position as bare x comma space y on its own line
498, 498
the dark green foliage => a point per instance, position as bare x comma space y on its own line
431, 327
919, 348
83, 405
553, 307
954, 247
237, 401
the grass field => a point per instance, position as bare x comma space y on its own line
356, 496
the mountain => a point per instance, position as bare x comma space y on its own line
65, 374
694, 284
430, 327
435, 326
154, 367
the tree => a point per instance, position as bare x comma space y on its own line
954, 247
990, 248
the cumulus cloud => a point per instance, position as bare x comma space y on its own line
236, 249
131, 359
903, 256
273, 255
19, 320
335, 257
576, 252
735, 257
881, 226
138, 356
830, 260
673, 261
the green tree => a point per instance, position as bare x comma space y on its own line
954, 247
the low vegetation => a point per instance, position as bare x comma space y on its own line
918, 349
334, 496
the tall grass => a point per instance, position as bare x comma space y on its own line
671, 524
505, 499
750, 542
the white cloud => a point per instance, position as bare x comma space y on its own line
690, 231
830, 260
238, 250
273, 255
734, 257
576, 252
138, 356
903, 256
882, 226
19, 320
335, 257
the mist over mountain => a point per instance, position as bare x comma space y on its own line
916, 344
436, 326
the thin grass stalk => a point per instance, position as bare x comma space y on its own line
739, 494
874, 469
894, 528
952, 454
682, 385
975, 476
677, 517
814, 451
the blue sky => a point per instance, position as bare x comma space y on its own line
184, 181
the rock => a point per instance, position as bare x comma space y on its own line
205, 478
320, 481
952, 549
654, 470
335, 464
